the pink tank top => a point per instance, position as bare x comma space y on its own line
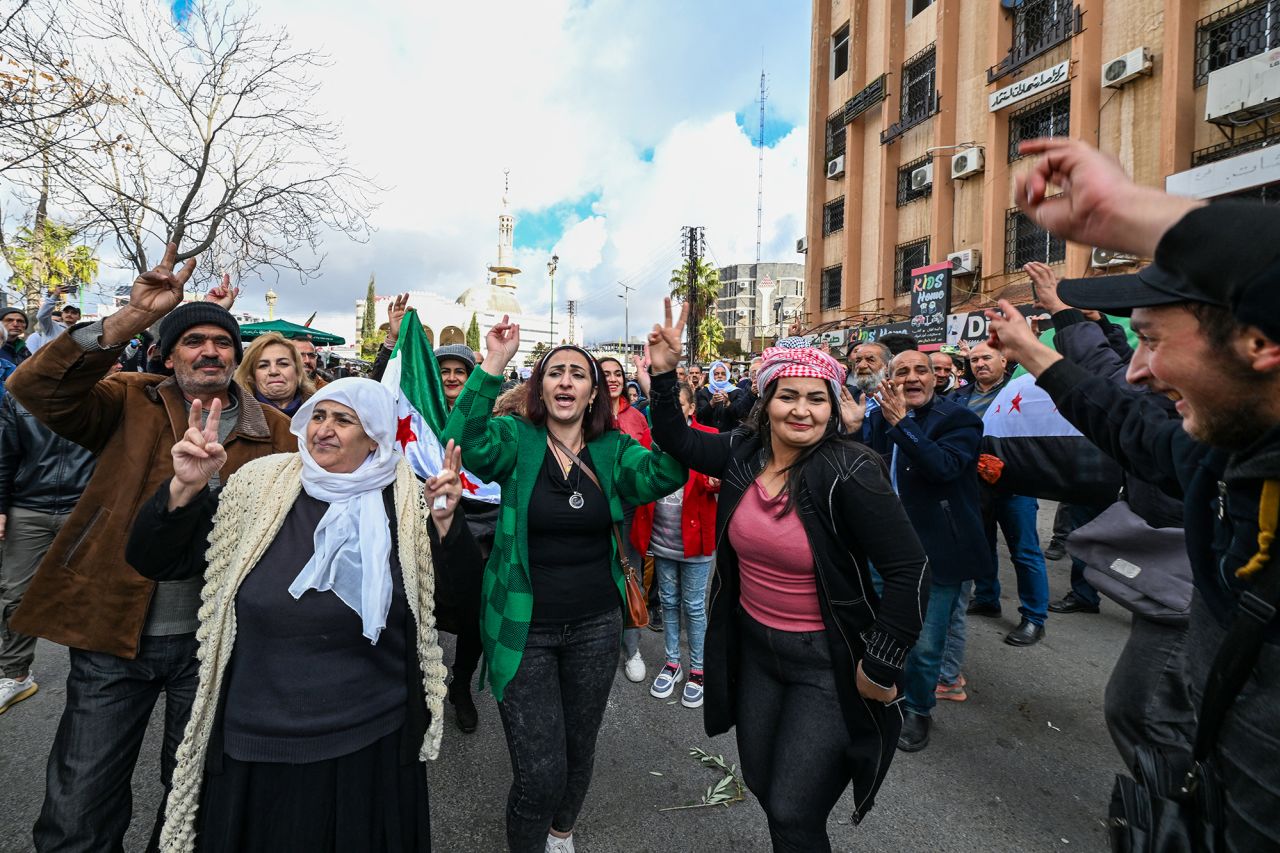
779, 587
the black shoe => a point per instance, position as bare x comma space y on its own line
1027, 633
1056, 550
977, 608
915, 732
464, 707
1072, 603
655, 619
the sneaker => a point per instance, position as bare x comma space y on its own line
692, 696
665, 684
634, 668
13, 691
954, 692
1056, 550
556, 844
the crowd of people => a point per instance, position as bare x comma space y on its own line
229, 527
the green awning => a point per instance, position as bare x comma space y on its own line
249, 331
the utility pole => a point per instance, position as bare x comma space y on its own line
625, 296
694, 243
573, 312
551, 273
764, 94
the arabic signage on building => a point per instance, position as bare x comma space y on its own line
930, 302
1039, 82
1233, 175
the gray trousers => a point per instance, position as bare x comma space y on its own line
28, 535
1149, 699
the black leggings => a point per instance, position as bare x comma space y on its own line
792, 738
551, 711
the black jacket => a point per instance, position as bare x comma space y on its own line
39, 469
938, 483
851, 519
1220, 490
726, 417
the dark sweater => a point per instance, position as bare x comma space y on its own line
285, 700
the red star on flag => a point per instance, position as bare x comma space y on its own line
1015, 405
404, 432
471, 487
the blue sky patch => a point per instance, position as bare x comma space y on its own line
646, 155
540, 229
181, 9
774, 127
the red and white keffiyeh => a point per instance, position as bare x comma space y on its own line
808, 363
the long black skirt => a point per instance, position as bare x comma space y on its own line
367, 800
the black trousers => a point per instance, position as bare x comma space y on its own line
551, 712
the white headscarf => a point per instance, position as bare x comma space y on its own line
353, 540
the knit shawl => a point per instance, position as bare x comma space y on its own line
251, 511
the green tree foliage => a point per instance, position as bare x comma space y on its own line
370, 337
473, 334
539, 350
702, 300
56, 261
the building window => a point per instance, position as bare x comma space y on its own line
1047, 116
831, 281
833, 216
906, 194
835, 135
1038, 27
1268, 136
840, 53
915, 7
1024, 242
1237, 32
919, 93
909, 256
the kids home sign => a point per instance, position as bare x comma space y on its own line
930, 302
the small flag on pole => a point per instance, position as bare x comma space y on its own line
413, 376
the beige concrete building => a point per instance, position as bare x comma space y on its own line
916, 108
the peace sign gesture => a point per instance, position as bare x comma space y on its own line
197, 456
160, 291
444, 490
664, 340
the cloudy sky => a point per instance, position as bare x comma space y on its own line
619, 122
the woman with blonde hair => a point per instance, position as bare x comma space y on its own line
272, 370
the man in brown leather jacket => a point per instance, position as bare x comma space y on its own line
130, 639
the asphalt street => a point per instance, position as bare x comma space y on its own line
1024, 765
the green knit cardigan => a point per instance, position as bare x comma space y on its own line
510, 451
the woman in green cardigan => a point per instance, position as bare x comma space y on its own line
553, 593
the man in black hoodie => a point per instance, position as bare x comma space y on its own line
1207, 317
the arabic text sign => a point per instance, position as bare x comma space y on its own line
930, 302
1028, 86
1224, 177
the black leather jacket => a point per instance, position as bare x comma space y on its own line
39, 469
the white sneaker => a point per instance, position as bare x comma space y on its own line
556, 844
634, 668
13, 691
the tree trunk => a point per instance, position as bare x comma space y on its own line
39, 263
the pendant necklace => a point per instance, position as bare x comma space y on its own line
576, 501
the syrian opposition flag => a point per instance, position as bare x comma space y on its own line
1044, 456
413, 376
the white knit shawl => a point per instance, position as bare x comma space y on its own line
251, 511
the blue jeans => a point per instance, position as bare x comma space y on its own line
925, 659
1016, 516
88, 785
953, 654
682, 585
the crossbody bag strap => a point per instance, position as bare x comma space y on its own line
591, 475
1240, 649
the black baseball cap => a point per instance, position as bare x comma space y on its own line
1213, 255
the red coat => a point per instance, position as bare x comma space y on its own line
697, 516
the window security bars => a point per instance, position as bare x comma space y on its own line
919, 93
1047, 116
908, 256
1038, 27
831, 279
833, 216
1237, 32
1024, 242
906, 194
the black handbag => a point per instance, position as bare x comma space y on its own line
1173, 801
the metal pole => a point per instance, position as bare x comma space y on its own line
551, 273
625, 296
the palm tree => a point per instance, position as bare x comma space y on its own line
704, 326
50, 260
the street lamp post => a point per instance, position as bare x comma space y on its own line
625, 296
551, 273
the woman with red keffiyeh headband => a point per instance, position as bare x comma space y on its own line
802, 655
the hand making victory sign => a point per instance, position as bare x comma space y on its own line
197, 456
443, 491
664, 340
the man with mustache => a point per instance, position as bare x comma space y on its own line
130, 639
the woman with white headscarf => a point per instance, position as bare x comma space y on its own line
718, 401
321, 681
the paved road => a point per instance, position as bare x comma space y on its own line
1025, 765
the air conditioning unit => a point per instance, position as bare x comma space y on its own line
1121, 70
922, 177
967, 163
802, 245
1244, 90
1103, 258
965, 261
835, 168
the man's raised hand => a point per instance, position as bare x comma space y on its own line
160, 291
197, 456
395, 316
224, 294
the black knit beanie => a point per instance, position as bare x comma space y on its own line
189, 314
